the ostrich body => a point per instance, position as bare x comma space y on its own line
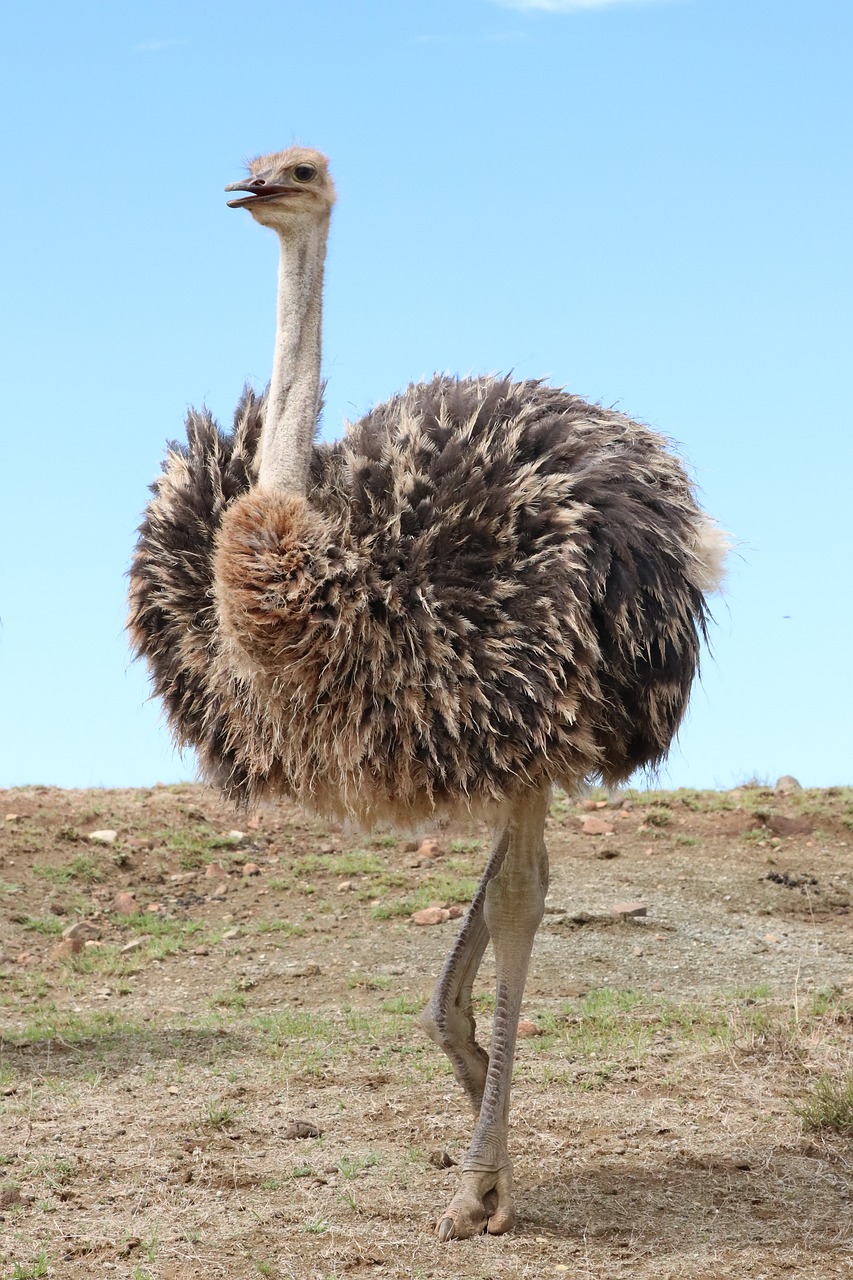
486, 587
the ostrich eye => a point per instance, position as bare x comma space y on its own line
304, 172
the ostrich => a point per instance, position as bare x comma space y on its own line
485, 588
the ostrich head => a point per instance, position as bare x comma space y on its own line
286, 188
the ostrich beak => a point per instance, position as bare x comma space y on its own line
259, 191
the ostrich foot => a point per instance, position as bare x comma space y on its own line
482, 1203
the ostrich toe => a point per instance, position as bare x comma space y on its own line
483, 1203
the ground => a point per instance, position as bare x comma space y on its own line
683, 1100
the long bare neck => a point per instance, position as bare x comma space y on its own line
291, 412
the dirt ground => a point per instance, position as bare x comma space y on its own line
678, 1109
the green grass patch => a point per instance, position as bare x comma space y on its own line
828, 1105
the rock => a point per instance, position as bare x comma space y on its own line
13, 817
455, 912
251, 869
430, 915
232, 933
429, 848
155, 908
103, 837
345, 886
527, 1029
786, 784
308, 970
125, 903
214, 871
93, 944
80, 929
66, 949
302, 1129
597, 827
629, 910
134, 944
441, 1160
182, 877
236, 835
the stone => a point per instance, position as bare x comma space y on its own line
214, 871
629, 910
66, 949
429, 848
430, 915
441, 1160
786, 784
232, 933
345, 886
13, 817
134, 944
302, 1129
125, 903
527, 1029
103, 837
597, 827
455, 912
80, 929
236, 835
251, 869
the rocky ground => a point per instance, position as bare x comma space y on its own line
209, 1064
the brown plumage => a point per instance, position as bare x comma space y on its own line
489, 585
485, 588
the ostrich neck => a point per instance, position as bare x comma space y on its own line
291, 412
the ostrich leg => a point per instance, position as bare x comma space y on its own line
448, 1019
513, 905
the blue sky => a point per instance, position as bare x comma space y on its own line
646, 202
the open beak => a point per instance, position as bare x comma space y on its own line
259, 191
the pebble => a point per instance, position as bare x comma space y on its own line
232, 933
431, 915
13, 817
103, 837
251, 869
345, 886
597, 827
67, 948
629, 909
429, 848
302, 1129
214, 871
134, 944
125, 904
236, 835
80, 929
786, 783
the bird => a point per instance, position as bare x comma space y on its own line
484, 589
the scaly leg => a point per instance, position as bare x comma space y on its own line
513, 907
448, 1019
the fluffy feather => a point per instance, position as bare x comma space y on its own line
488, 585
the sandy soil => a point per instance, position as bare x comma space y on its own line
155, 1073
